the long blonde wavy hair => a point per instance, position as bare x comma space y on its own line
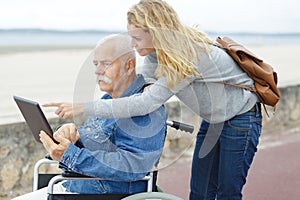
177, 46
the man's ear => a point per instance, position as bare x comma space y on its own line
130, 65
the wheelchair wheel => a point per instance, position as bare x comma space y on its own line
152, 195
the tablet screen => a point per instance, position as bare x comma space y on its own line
34, 117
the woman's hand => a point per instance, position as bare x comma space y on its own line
66, 110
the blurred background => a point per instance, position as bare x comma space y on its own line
44, 44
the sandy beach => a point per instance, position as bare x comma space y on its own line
43, 76
47, 74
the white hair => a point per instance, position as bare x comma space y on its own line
121, 45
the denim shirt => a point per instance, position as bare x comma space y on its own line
121, 151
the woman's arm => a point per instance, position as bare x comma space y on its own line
135, 105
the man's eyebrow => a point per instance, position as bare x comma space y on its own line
104, 60
101, 59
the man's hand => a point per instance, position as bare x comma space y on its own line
64, 135
66, 110
55, 150
69, 132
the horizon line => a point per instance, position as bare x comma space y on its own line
115, 31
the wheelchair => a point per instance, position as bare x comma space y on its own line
48, 180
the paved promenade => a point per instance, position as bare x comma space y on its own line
274, 174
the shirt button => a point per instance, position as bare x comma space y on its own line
96, 135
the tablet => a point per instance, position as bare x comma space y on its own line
34, 117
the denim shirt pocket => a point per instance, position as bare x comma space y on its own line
97, 134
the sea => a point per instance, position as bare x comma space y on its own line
43, 37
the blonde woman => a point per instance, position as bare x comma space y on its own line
182, 61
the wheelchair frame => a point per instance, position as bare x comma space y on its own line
149, 178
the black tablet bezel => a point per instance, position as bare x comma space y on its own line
34, 117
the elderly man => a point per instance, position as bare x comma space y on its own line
121, 151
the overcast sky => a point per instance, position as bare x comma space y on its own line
267, 16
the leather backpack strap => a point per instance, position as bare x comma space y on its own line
252, 89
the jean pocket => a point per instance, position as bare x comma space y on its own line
240, 123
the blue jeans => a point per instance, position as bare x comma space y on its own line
221, 174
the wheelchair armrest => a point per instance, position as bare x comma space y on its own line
74, 175
58, 178
37, 166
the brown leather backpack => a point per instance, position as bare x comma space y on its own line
263, 74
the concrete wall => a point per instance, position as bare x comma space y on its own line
287, 110
18, 154
19, 151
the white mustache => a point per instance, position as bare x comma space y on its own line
104, 79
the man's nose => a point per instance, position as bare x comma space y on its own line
99, 70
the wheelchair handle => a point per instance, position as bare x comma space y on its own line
180, 126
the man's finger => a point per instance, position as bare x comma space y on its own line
55, 150
62, 141
74, 134
47, 141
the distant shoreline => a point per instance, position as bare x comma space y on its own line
79, 38
9, 49
12, 49
101, 31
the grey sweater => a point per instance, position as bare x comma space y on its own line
207, 96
